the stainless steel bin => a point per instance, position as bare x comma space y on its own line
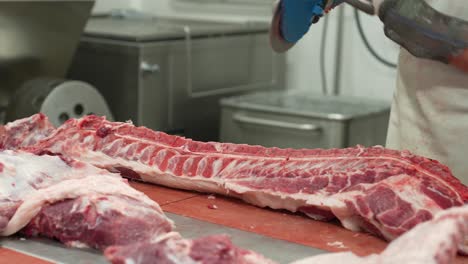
298, 120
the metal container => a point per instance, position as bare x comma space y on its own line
296, 120
38, 39
169, 74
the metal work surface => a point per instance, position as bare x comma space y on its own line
53, 251
278, 250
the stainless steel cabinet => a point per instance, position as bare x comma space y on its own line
174, 83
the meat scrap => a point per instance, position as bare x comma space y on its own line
83, 206
172, 249
432, 242
381, 191
25, 132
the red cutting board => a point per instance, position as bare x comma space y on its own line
277, 224
12, 257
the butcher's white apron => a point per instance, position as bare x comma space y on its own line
430, 107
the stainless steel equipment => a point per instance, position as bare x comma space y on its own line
168, 74
38, 38
300, 120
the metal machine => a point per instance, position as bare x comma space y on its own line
38, 41
168, 74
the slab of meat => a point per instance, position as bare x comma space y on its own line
73, 202
25, 132
172, 249
83, 206
379, 190
432, 242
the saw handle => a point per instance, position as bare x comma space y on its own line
363, 5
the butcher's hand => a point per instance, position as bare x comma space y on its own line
298, 15
461, 61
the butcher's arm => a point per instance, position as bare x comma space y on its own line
425, 32
415, 25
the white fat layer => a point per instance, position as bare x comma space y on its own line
70, 189
41, 129
24, 172
77, 244
112, 203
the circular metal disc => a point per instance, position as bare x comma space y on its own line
74, 99
276, 40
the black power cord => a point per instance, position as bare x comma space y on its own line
364, 40
368, 45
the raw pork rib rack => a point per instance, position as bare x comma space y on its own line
382, 191
83, 206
